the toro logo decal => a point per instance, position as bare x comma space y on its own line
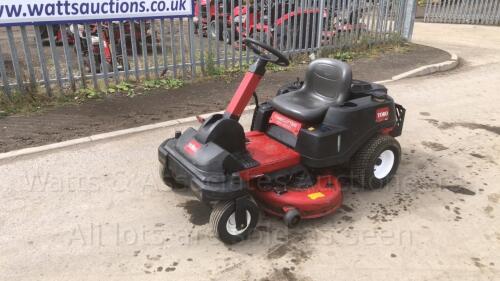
382, 114
285, 123
192, 147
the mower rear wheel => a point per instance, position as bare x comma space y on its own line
168, 179
223, 220
376, 162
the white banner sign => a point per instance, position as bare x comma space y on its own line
19, 12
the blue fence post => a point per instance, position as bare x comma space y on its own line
409, 19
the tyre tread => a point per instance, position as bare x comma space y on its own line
362, 162
217, 212
221, 209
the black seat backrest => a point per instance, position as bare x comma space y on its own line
329, 78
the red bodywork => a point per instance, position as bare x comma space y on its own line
58, 34
205, 17
284, 122
243, 94
253, 22
257, 27
93, 51
107, 28
321, 199
248, 26
271, 155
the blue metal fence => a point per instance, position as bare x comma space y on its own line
463, 11
72, 56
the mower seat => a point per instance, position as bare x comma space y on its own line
327, 83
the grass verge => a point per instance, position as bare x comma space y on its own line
37, 100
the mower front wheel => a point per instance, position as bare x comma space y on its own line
223, 220
292, 218
376, 162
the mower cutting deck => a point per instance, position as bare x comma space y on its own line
285, 164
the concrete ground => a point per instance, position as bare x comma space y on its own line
99, 211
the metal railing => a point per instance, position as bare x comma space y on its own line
463, 11
71, 56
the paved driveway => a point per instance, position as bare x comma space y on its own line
99, 211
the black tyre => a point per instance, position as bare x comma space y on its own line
168, 179
222, 220
120, 65
292, 218
107, 66
97, 63
376, 162
216, 31
228, 36
86, 64
281, 39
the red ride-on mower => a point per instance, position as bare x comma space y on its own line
285, 164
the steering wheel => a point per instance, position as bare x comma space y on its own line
280, 59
